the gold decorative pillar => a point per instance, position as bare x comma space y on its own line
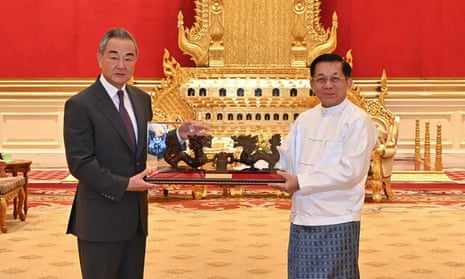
298, 49
216, 49
438, 162
427, 163
417, 145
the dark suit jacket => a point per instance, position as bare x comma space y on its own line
98, 154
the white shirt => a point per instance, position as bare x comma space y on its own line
113, 93
329, 149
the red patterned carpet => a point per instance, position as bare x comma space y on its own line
47, 175
456, 175
47, 189
411, 236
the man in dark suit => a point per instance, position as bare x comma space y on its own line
107, 153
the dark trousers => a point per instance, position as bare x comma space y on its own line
112, 260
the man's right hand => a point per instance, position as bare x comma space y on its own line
138, 184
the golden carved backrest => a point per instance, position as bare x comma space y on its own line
384, 121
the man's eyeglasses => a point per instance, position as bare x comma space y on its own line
332, 80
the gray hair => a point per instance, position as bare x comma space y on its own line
119, 33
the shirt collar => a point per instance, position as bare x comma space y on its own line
111, 90
334, 109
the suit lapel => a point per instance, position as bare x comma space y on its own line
108, 108
141, 124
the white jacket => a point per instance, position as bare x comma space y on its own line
329, 149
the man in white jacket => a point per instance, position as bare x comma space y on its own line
325, 160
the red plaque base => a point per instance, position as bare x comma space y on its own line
224, 178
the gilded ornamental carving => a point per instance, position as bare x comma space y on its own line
259, 33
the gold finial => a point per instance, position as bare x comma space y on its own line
383, 88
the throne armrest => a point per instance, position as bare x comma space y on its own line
393, 134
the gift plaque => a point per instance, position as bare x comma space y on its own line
193, 162
204, 177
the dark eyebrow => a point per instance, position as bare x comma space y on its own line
332, 75
127, 54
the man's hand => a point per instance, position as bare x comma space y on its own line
138, 184
191, 128
291, 185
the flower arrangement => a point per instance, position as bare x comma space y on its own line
263, 142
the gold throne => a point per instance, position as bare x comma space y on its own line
251, 72
387, 124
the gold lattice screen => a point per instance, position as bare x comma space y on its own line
258, 33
